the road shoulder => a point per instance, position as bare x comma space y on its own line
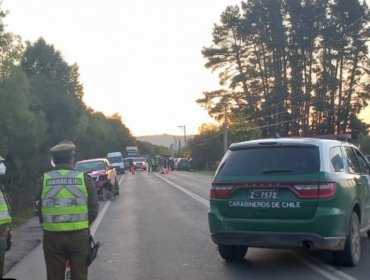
24, 239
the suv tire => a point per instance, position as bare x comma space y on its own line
232, 253
351, 254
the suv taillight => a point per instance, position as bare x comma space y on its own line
220, 191
316, 190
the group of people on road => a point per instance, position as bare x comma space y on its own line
155, 164
160, 164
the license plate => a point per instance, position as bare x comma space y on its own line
263, 194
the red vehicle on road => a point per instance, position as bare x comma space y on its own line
102, 172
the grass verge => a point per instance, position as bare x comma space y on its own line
21, 217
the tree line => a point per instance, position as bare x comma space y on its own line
295, 67
288, 68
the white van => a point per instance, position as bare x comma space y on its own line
116, 160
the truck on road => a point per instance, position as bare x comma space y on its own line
132, 151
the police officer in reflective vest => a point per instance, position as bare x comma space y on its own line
5, 219
68, 204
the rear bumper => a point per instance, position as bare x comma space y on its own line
279, 240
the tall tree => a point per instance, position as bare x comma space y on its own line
55, 88
98, 134
305, 65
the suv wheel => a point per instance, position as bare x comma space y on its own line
232, 253
351, 254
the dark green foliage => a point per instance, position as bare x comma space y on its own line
22, 137
292, 67
147, 148
207, 148
96, 135
364, 143
54, 89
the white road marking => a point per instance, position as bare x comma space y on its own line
98, 220
205, 202
320, 267
120, 180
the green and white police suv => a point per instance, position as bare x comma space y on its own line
291, 193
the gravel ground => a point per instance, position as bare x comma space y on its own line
24, 240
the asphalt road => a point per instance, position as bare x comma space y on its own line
157, 229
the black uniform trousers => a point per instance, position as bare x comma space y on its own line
62, 246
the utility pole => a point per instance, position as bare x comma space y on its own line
225, 131
175, 148
277, 119
184, 128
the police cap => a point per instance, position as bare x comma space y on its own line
63, 148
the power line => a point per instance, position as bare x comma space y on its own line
312, 101
206, 139
212, 137
287, 121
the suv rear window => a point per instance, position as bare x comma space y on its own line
271, 160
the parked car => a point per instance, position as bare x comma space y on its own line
139, 163
116, 160
182, 164
291, 193
102, 173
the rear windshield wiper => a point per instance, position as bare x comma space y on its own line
269, 171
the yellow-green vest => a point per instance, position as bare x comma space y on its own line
5, 217
64, 201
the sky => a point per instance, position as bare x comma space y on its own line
140, 59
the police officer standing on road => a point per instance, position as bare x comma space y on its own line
132, 167
5, 219
68, 204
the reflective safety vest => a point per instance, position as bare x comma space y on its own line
64, 201
4, 211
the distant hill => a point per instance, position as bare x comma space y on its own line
165, 139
